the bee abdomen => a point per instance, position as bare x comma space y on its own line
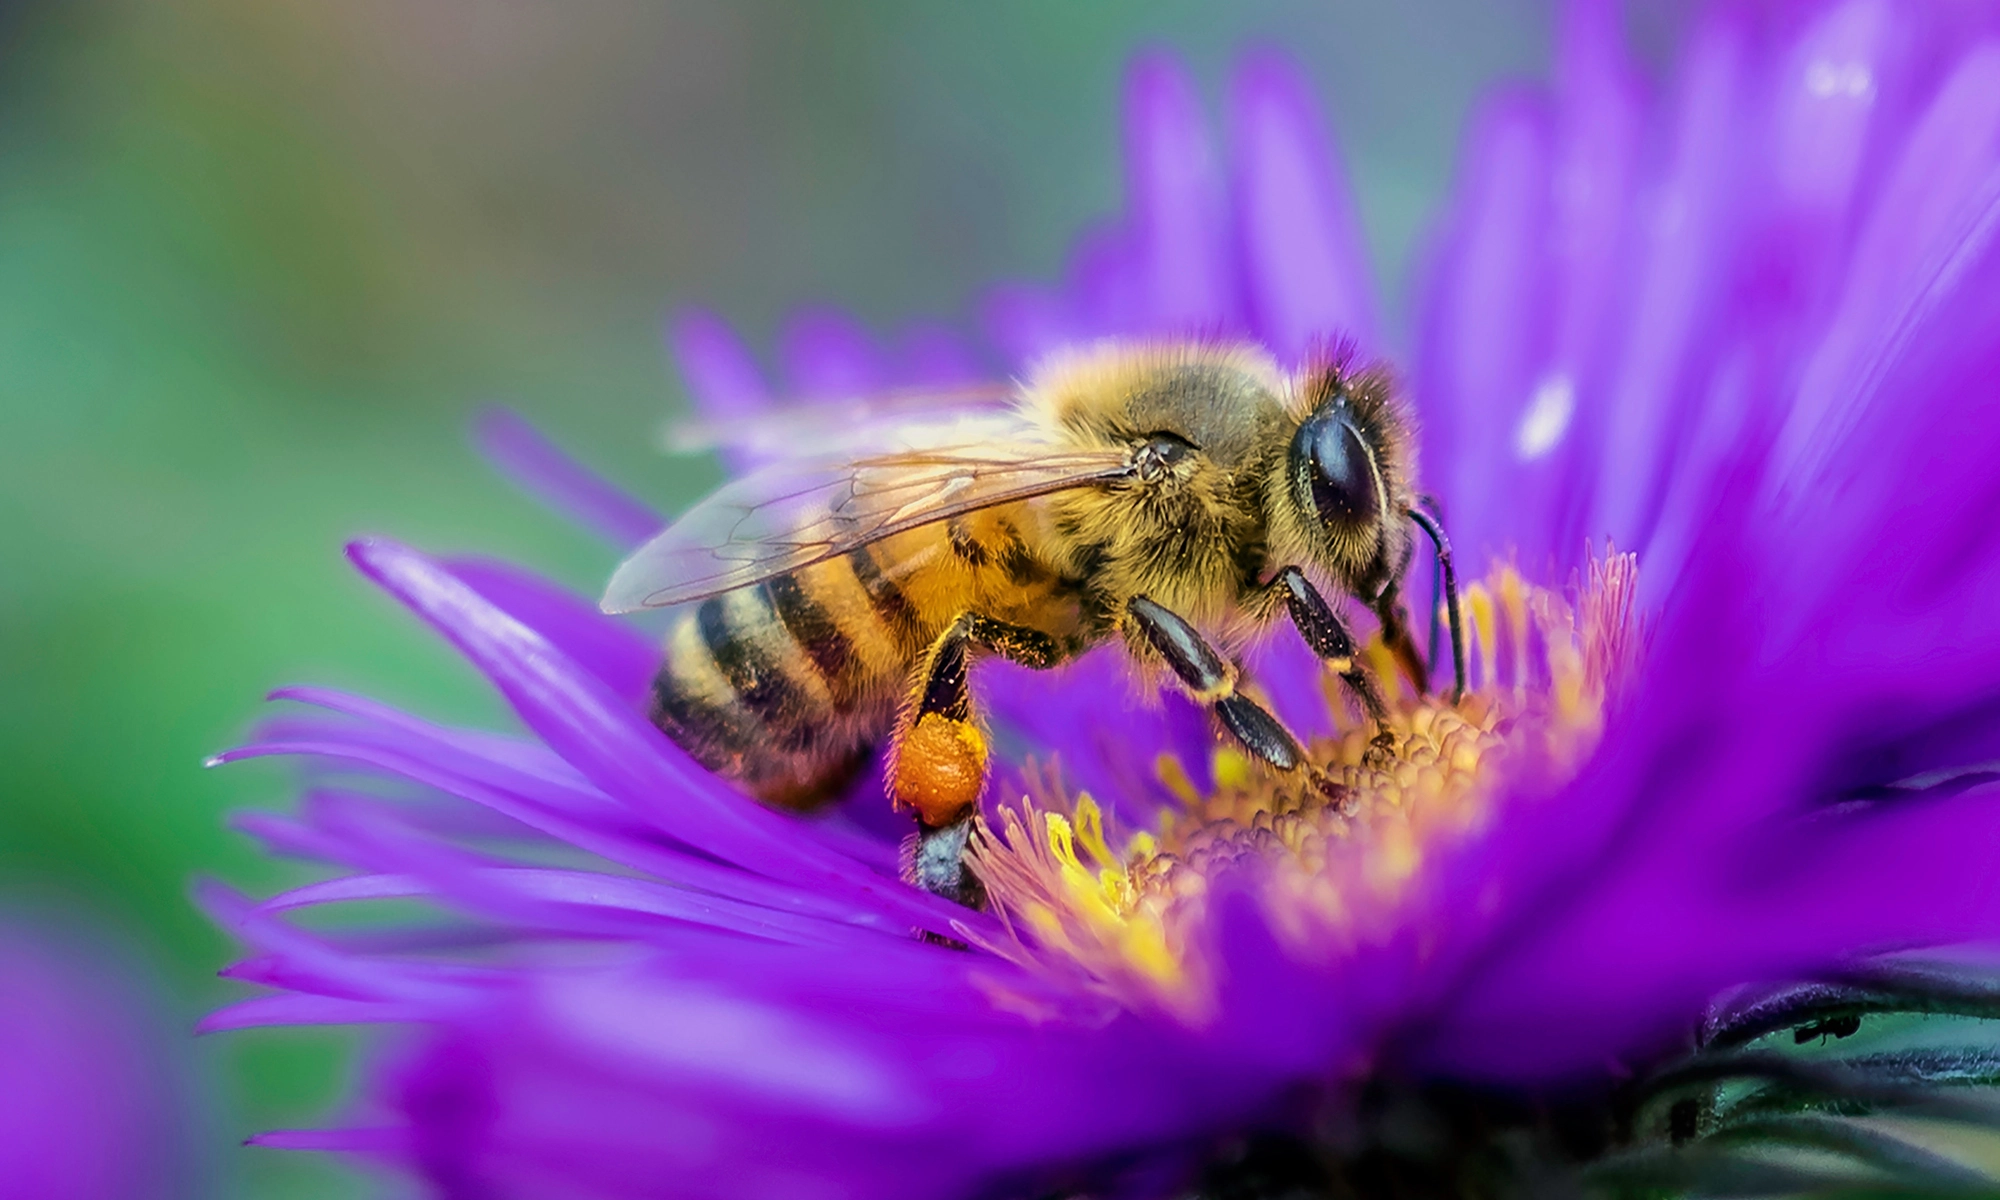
814, 630
748, 645
764, 685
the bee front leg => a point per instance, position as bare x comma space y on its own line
1329, 638
938, 760
1211, 680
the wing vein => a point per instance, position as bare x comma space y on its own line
792, 515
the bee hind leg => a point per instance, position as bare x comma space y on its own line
1329, 638
938, 760
1211, 680
934, 860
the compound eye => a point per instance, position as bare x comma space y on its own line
1338, 468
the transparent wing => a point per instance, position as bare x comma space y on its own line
792, 515
873, 423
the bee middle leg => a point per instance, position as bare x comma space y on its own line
938, 760
1395, 619
1211, 680
1329, 638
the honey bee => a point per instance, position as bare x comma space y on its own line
1176, 498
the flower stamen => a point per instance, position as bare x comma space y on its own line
1326, 872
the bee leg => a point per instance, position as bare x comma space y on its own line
934, 860
1433, 642
1429, 524
1211, 680
1396, 636
939, 756
1329, 638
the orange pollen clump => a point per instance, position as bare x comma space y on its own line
1124, 904
940, 768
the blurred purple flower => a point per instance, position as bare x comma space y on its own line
88, 1109
1745, 330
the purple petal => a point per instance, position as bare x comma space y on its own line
716, 366
1827, 97
1484, 333
89, 1096
356, 1141
1686, 234
565, 485
281, 835
592, 834
511, 763
619, 752
828, 356
262, 1012
1174, 195
1930, 194
1595, 161
932, 354
1107, 285
1027, 322
334, 973
606, 647
1089, 721
721, 377
617, 1077
581, 903
1658, 940
1306, 269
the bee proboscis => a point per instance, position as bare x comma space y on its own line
1174, 497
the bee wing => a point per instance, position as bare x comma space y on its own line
792, 515
866, 423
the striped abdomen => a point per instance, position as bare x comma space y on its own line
786, 685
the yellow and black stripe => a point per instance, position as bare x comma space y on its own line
785, 684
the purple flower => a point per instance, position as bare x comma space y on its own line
88, 1103
1706, 373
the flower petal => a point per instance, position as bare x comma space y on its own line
565, 485
608, 648
1179, 242
828, 356
1481, 343
1306, 270
613, 747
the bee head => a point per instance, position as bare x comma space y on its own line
1345, 483
1334, 470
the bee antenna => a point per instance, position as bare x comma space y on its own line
1430, 526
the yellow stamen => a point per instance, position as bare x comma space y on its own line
1514, 605
1231, 769
1090, 829
1168, 770
1382, 664
1479, 604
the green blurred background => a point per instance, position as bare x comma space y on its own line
261, 259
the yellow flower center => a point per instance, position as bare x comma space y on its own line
1124, 905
